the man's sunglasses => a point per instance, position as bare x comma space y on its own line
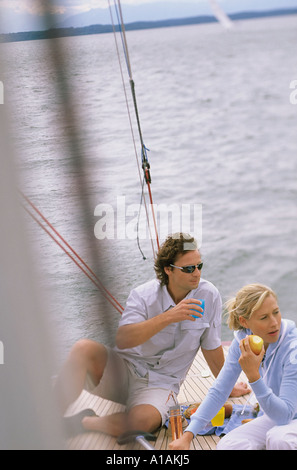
188, 269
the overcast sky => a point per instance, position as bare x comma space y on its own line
27, 15
72, 6
77, 6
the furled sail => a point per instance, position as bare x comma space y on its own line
220, 14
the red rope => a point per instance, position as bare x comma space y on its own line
153, 213
88, 271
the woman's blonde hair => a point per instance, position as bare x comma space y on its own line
247, 300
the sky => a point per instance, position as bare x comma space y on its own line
72, 7
66, 6
24, 15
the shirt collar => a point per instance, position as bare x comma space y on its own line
167, 300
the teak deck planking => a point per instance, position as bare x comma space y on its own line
193, 390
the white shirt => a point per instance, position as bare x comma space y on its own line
167, 356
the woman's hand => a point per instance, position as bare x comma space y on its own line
249, 361
183, 443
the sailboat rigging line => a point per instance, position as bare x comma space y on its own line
88, 271
145, 163
121, 23
137, 229
131, 128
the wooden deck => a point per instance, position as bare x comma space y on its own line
193, 390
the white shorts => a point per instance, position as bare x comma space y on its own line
120, 383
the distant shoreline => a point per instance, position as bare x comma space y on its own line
101, 29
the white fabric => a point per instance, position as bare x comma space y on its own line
260, 434
167, 356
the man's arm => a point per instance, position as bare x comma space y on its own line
215, 359
134, 334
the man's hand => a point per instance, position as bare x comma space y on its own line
185, 310
240, 389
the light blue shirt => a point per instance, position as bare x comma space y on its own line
166, 357
276, 390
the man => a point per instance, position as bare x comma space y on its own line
156, 342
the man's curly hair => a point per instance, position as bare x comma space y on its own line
174, 245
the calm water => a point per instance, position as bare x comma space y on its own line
216, 115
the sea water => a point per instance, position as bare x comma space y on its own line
217, 118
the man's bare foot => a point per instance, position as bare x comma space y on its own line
240, 389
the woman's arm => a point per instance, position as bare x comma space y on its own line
215, 360
215, 399
281, 408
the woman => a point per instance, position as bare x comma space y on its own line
272, 375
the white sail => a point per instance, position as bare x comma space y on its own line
220, 14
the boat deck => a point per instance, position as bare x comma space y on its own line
193, 390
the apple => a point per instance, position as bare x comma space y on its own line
256, 343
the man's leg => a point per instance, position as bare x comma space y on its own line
148, 410
86, 357
89, 357
141, 417
144, 417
